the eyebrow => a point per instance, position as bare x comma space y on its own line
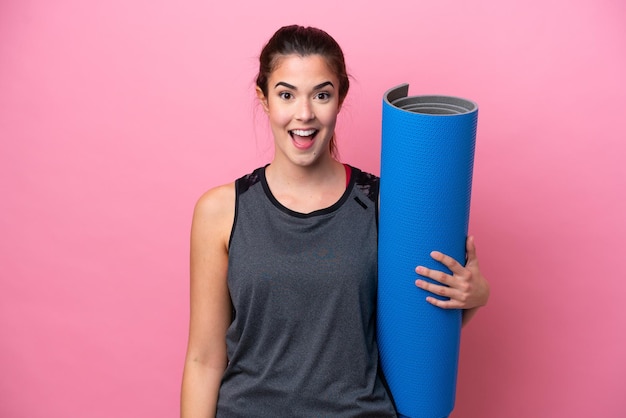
319, 86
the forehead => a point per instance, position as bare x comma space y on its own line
313, 68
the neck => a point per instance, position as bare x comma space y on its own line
286, 173
309, 188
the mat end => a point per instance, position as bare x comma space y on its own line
396, 93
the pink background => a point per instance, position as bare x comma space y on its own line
115, 116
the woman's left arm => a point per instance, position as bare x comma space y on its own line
466, 287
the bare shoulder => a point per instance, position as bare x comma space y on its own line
215, 211
218, 201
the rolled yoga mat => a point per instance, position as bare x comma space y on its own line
427, 161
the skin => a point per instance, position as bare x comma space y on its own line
304, 177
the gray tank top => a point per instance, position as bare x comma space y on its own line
302, 342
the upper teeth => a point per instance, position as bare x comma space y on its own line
300, 132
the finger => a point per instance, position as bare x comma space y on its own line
437, 275
444, 304
453, 295
440, 290
447, 261
470, 247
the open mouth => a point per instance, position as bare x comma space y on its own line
303, 138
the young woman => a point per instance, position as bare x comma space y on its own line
284, 262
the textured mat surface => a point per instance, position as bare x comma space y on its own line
427, 161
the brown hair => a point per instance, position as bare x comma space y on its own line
303, 41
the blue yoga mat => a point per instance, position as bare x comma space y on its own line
427, 161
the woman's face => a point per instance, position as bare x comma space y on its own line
302, 104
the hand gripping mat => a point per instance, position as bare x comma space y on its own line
427, 161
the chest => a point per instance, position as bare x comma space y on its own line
302, 260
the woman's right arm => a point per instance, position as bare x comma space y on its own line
211, 310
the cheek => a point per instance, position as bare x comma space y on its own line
328, 118
279, 118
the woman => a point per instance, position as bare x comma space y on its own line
283, 262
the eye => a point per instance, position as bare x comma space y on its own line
322, 95
285, 95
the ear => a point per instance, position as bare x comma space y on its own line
262, 99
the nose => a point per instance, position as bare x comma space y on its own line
305, 111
